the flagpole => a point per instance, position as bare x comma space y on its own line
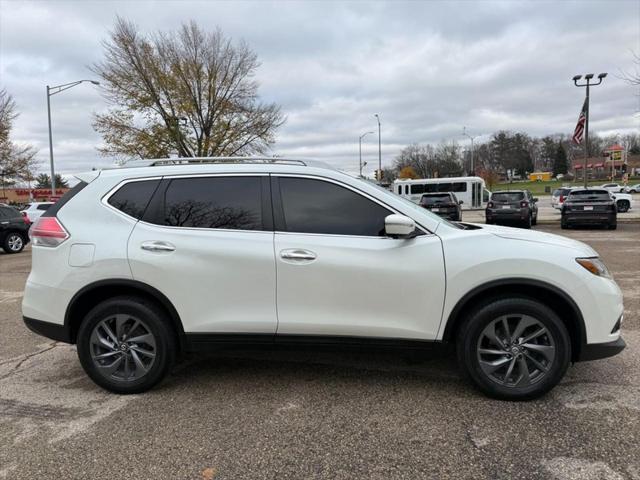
588, 78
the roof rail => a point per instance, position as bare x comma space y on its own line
202, 160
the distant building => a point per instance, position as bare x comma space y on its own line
26, 195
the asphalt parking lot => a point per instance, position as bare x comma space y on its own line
317, 414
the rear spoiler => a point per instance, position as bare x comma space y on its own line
88, 177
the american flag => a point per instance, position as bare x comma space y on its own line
578, 133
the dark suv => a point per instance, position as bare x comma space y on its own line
512, 206
14, 230
443, 204
589, 207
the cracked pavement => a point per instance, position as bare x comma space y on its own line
303, 414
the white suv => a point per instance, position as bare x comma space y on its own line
136, 265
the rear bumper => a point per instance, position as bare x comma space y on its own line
589, 218
507, 214
595, 351
54, 331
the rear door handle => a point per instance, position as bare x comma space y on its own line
298, 254
156, 246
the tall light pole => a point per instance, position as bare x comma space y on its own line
379, 148
588, 84
360, 149
50, 92
464, 133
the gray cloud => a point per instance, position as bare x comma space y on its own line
428, 68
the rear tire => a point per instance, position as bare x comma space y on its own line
623, 206
563, 224
528, 222
612, 226
136, 334
13, 243
533, 354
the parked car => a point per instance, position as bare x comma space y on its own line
614, 187
558, 196
135, 265
512, 206
34, 210
623, 201
14, 230
634, 188
444, 205
589, 207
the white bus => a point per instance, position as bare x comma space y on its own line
471, 190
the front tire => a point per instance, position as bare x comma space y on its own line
125, 345
623, 206
13, 243
514, 349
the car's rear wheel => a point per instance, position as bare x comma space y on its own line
527, 223
13, 243
514, 349
125, 345
563, 224
612, 226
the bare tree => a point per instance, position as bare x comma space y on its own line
17, 161
190, 93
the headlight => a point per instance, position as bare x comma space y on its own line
595, 266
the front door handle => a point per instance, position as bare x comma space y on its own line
298, 254
156, 246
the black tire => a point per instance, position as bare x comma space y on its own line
470, 336
563, 224
157, 323
623, 206
528, 222
612, 226
14, 242
534, 221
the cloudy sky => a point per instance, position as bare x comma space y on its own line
428, 68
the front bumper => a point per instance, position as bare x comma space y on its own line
595, 351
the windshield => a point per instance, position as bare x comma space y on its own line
507, 196
589, 195
435, 199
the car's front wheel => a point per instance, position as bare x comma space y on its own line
514, 349
13, 243
623, 206
125, 344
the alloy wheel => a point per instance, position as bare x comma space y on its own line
516, 350
122, 348
15, 242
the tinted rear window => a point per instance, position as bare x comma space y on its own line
588, 195
214, 202
133, 197
433, 199
507, 196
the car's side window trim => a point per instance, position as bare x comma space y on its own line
278, 210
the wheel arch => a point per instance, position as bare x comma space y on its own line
90, 295
552, 296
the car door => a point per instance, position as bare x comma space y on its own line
206, 242
339, 275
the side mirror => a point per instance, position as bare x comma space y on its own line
398, 226
460, 202
535, 199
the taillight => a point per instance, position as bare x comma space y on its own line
48, 232
490, 204
561, 199
524, 204
25, 218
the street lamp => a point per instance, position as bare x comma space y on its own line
50, 92
360, 149
379, 148
588, 84
464, 133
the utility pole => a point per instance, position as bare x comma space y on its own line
379, 148
360, 150
464, 133
588, 84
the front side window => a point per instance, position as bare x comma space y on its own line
316, 206
214, 202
